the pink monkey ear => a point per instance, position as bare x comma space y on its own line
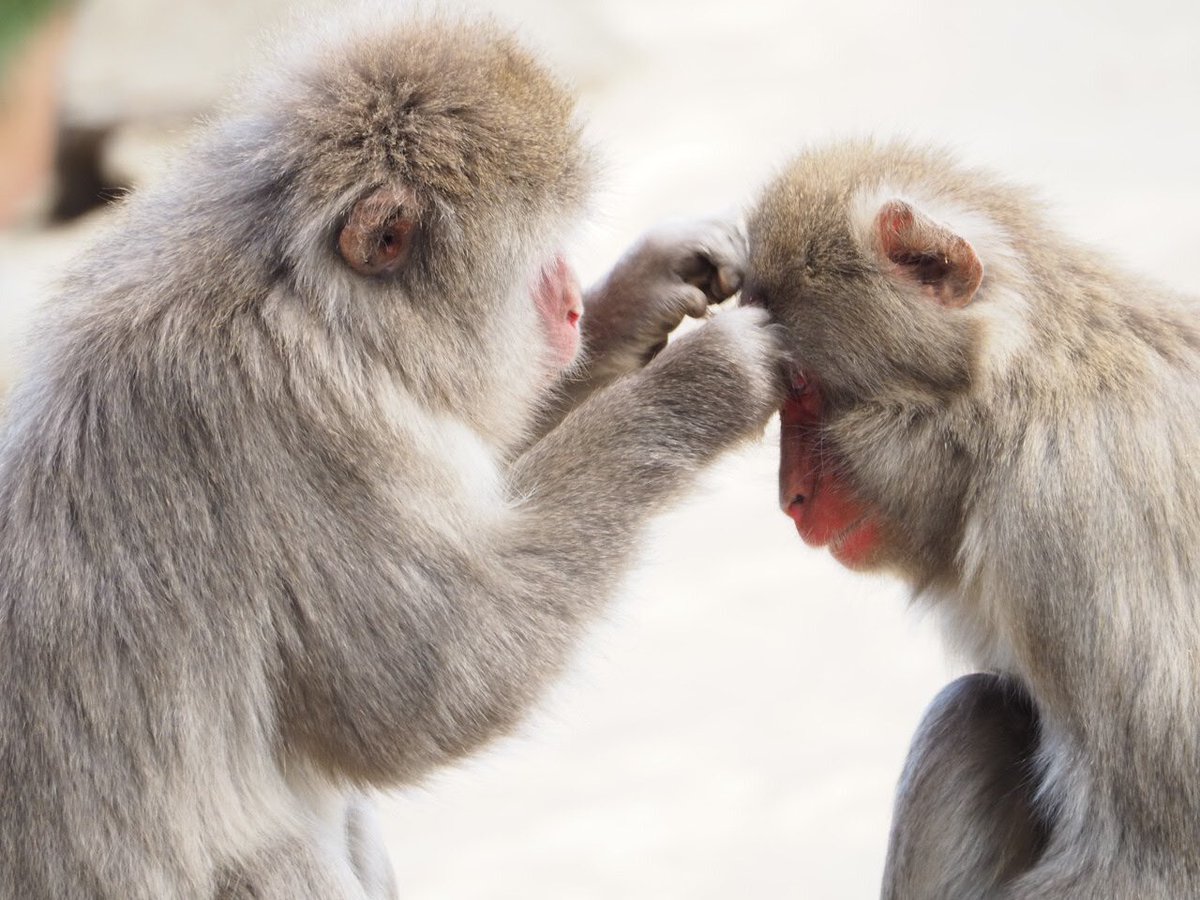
926, 253
379, 233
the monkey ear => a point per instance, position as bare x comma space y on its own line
923, 251
379, 233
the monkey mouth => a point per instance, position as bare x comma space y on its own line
857, 545
812, 491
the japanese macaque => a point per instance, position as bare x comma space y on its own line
1011, 423
274, 528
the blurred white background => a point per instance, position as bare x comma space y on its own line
736, 727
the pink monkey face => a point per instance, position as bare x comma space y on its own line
560, 307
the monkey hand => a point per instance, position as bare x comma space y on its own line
675, 270
727, 377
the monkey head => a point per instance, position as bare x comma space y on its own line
414, 183
851, 254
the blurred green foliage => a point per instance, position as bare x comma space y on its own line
18, 18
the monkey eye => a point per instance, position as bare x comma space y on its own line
379, 234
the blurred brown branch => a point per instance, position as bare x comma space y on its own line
28, 113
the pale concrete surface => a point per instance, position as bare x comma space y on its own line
736, 727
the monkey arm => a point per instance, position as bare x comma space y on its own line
439, 637
674, 271
965, 825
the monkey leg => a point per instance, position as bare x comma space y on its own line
965, 822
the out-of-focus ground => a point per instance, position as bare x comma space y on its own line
736, 727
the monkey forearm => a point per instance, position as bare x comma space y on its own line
467, 646
569, 393
572, 389
675, 270
632, 445
607, 356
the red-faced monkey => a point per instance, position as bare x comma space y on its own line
1012, 423
273, 528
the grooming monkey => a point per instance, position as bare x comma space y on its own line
274, 528
1010, 422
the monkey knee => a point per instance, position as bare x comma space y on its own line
978, 737
982, 708
966, 821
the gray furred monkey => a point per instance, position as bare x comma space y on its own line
274, 530
1012, 423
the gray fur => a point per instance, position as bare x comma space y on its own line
1034, 455
968, 795
675, 270
268, 539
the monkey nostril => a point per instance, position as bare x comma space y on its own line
795, 509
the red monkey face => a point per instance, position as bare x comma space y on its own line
814, 492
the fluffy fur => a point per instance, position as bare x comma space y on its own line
268, 540
1033, 456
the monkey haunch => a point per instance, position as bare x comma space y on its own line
1011, 423
276, 529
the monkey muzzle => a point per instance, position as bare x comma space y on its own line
812, 491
